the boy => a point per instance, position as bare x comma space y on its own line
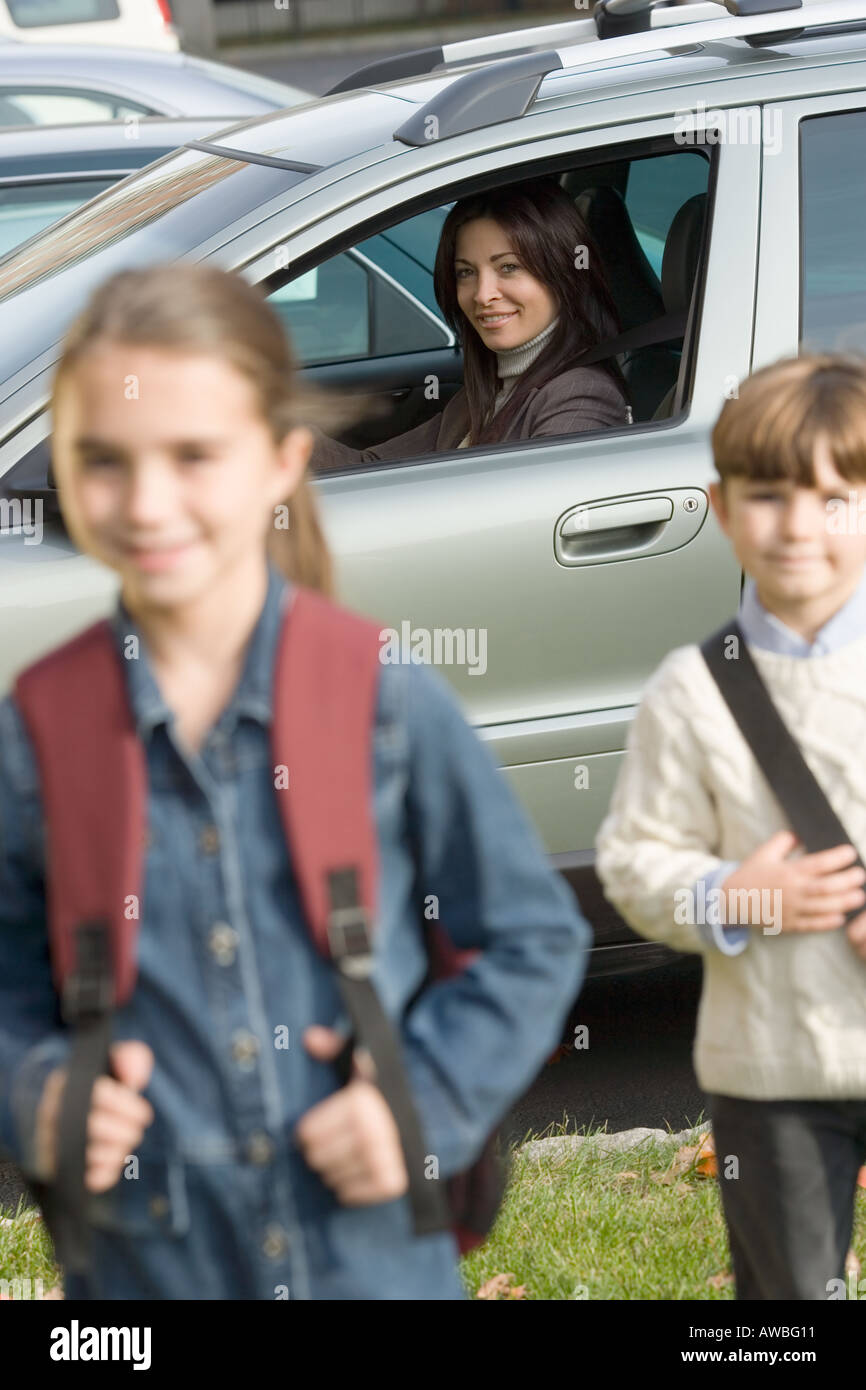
781, 1038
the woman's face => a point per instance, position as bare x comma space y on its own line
505, 304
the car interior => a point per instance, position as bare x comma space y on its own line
647, 216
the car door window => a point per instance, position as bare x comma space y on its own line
833, 202
26, 208
404, 318
357, 306
327, 311
64, 106
656, 189
407, 252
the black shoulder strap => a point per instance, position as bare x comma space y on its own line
776, 751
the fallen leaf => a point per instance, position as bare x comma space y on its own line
699, 1157
499, 1287
706, 1165
720, 1281
625, 1177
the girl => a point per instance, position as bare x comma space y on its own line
521, 283
258, 1177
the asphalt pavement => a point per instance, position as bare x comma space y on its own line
316, 72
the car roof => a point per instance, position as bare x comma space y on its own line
23, 57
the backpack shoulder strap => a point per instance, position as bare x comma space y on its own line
775, 749
326, 682
93, 785
325, 687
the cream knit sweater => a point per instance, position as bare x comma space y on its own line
786, 1018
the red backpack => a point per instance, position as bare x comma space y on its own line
94, 791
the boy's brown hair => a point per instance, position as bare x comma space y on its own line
768, 431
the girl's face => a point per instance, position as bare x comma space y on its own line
505, 304
168, 473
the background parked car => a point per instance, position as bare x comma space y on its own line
139, 23
48, 171
63, 84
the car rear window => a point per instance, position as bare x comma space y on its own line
30, 14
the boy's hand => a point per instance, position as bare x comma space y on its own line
817, 889
116, 1121
351, 1138
856, 933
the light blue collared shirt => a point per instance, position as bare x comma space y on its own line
764, 630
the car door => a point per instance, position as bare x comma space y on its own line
482, 545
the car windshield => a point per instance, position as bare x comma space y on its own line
166, 212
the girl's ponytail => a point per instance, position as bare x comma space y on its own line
198, 308
301, 552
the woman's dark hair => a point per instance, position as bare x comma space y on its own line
546, 231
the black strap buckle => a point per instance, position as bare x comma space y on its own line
88, 990
349, 930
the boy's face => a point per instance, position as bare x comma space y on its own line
805, 556
173, 485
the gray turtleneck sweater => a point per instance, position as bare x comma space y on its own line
512, 362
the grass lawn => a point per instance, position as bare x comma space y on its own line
589, 1225
604, 1226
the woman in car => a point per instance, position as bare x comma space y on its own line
521, 283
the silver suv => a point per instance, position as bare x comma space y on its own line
719, 157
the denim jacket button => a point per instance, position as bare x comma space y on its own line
223, 942
158, 1205
209, 839
260, 1148
245, 1047
275, 1242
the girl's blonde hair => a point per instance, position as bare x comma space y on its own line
769, 430
198, 308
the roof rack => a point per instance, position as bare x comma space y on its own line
504, 90
423, 60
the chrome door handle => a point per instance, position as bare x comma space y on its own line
625, 528
616, 516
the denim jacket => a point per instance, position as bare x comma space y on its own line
219, 1202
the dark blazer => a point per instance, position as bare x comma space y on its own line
584, 398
